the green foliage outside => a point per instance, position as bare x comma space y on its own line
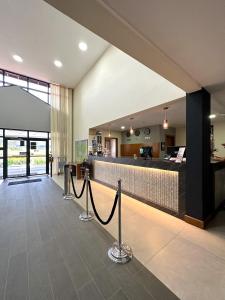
22, 161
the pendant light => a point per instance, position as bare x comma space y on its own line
131, 128
165, 121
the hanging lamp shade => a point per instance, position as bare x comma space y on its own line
165, 121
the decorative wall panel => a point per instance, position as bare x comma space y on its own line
154, 185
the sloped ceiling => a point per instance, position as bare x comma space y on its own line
40, 34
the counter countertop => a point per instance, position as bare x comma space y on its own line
139, 162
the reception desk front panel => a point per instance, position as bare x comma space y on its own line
156, 186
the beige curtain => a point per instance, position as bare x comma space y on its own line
61, 124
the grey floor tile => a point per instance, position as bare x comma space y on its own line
105, 282
78, 270
4, 256
17, 280
90, 291
119, 296
62, 285
130, 287
53, 255
40, 293
158, 290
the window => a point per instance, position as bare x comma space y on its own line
40, 95
15, 133
15, 79
38, 85
38, 88
38, 134
1, 78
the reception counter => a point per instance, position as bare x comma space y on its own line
156, 182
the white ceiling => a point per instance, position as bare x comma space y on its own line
40, 34
176, 115
191, 33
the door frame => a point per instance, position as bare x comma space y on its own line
28, 140
112, 138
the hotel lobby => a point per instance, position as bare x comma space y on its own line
112, 150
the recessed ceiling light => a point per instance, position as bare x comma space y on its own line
17, 58
122, 127
83, 46
213, 116
58, 63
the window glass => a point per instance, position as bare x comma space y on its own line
1, 142
40, 95
1, 168
1, 153
1, 132
15, 133
15, 79
37, 134
38, 85
1, 78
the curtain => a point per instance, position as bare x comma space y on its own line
61, 125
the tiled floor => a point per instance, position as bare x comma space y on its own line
188, 260
47, 253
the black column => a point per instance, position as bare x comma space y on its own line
198, 178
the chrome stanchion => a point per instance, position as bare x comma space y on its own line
67, 183
120, 252
86, 215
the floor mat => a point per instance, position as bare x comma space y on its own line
24, 181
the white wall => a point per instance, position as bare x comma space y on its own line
219, 137
21, 110
115, 87
180, 136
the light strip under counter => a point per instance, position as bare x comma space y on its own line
154, 185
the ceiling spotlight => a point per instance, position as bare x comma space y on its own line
58, 63
17, 58
83, 46
122, 127
213, 116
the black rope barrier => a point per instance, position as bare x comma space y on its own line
74, 190
95, 210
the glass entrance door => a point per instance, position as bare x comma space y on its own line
16, 157
38, 157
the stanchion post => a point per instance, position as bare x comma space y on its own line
67, 182
120, 252
119, 215
86, 215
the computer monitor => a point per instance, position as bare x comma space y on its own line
146, 151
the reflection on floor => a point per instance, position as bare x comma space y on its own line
190, 261
46, 253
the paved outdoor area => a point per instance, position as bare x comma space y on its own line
47, 253
20, 170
